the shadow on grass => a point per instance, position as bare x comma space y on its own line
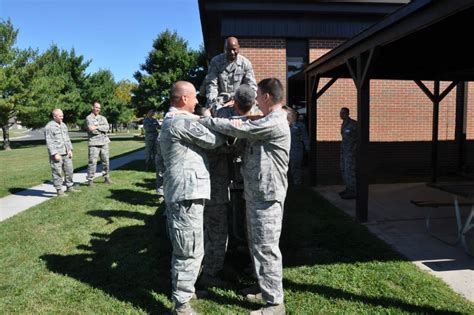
131, 264
134, 197
148, 183
332, 293
315, 232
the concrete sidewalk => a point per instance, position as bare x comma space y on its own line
402, 225
25, 199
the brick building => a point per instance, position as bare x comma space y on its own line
282, 37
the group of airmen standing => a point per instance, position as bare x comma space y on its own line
193, 159
242, 120
60, 149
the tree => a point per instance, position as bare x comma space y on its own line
123, 92
58, 81
16, 73
170, 60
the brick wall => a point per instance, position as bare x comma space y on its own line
400, 117
268, 57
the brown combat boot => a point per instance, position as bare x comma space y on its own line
61, 193
184, 309
270, 309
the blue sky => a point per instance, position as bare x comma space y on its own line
116, 34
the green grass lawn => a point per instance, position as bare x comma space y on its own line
104, 251
27, 164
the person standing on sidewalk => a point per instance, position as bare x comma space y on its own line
60, 152
97, 128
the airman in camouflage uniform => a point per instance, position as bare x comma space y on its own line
227, 71
348, 154
160, 168
60, 152
186, 187
97, 128
215, 212
299, 147
150, 125
265, 183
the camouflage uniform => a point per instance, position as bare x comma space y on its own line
98, 145
151, 133
186, 186
160, 168
299, 146
348, 153
264, 171
58, 142
225, 77
215, 212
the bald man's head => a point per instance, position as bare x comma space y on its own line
231, 48
183, 96
57, 115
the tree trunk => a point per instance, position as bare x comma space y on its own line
6, 137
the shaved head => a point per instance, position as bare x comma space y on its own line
231, 48
183, 95
231, 41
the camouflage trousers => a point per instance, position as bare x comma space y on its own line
57, 167
95, 152
347, 164
150, 150
264, 220
295, 169
215, 238
185, 223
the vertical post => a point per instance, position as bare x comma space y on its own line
460, 128
434, 144
312, 120
362, 159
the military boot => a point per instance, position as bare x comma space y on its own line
107, 180
184, 309
349, 195
90, 183
343, 192
72, 190
61, 193
270, 309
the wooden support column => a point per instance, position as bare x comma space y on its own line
460, 128
359, 69
312, 83
436, 97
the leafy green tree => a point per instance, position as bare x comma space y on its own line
58, 81
123, 92
170, 60
16, 73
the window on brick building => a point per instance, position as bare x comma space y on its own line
297, 55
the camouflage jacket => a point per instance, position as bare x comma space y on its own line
151, 126
299, 139
225, 76
99, 136
57, 138
182, 144
266, 157
349, 136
